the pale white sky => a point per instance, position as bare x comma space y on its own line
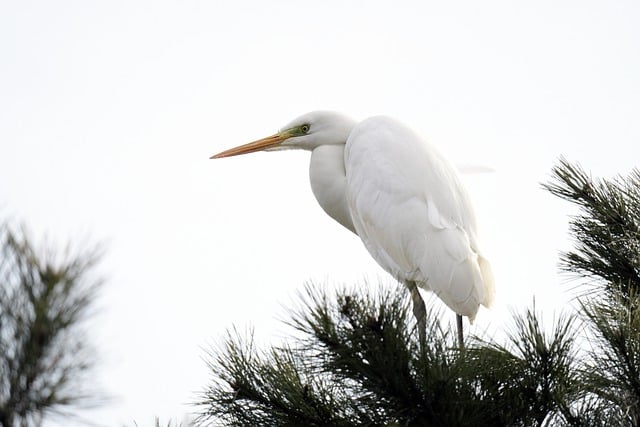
110, 110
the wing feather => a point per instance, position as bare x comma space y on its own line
414, 216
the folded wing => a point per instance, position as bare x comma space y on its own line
413, 214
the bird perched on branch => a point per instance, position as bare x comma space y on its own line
405, 201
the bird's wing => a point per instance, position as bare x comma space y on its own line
413, 214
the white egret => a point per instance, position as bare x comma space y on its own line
401, 196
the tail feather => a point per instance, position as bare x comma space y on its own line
487, 278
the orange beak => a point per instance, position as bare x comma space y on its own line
272, 141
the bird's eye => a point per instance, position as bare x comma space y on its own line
305, 128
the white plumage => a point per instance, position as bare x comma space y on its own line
413, 214
400, 195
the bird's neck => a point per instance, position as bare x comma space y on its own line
328, 182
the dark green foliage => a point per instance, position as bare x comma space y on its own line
533, 377
607, 230
356, 359
613, 366
43, 354
359, 363
607, 233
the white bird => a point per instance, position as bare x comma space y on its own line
401, 197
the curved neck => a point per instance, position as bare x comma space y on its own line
328, 182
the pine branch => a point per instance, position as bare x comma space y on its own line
359, 363
613, 371
607, 231
608, 253
42, 350
537, 373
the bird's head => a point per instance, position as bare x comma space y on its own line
304, 133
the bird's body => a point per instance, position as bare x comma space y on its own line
413, 214
400, 195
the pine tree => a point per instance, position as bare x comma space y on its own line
356, 359
607, 255
43, 352
360, 363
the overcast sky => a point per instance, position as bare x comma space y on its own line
109, 112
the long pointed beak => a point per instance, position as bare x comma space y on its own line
259, 145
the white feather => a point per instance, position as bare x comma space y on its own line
413, 214
399, 194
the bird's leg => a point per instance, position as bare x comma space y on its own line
419, 311
460, 334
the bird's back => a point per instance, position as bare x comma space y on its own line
414, 216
